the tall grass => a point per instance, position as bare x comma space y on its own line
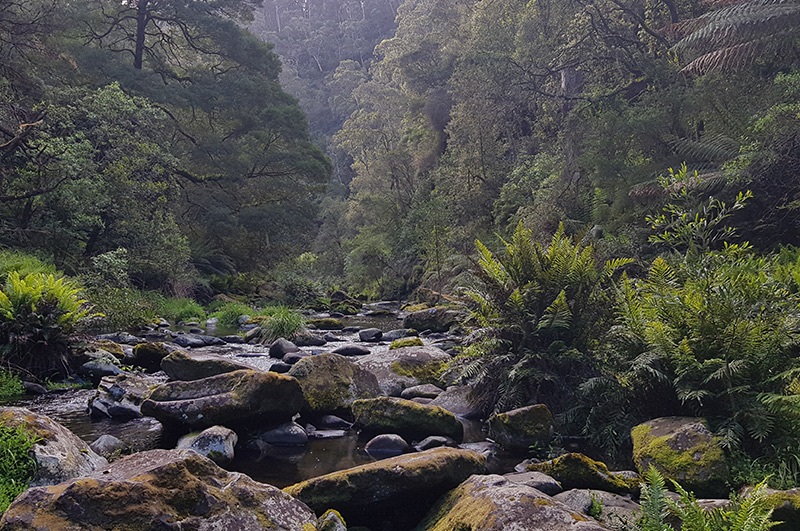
280, 321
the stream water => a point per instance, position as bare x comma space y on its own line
282, 467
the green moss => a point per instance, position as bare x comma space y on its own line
406, 342
411, 308
326, 323
406, 418
576, 471
425, 372
331, 520
115, 349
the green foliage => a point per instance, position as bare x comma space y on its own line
744, 513
16, 463
229, 313
180, 309
23, 263
37, 314
10, 385
280, 321
122, 308
541, 306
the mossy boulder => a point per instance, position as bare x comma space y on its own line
406, 418
786, 508
438, 319
405, 342
405, 367
232, 399
519, 429
682, 449
331, 383
326, 323
115, 349
149, 356
576, 471
121, 396
399, 489
492, 503
181, 365
217, 443
159, 489
59, 454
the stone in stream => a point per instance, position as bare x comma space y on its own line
58, 453
230, 399
196, 340
458, 400
614, 507
421, 391
287, 434
309, 339
576, 471
331, 383
399, 489
120, 397
404, 367
216, 443
281, 347
537, 480
159, 489
437, 319
149, 356
406, 418
492, 503
107, 445
521, 428
398, 333
181, 365
434, 441
351, 350
370, 335
386, 445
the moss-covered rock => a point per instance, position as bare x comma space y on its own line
406, 342
159, 489
149, 356
406, 418
181, 365
576, 471
682, 449
400, 489
438, 319
522, 428
326, 323
405, 367
492, 503
115, 349
331, 383
786, 509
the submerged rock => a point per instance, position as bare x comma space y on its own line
159, 489
121, 397
59, 454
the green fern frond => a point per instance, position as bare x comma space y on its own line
557, 315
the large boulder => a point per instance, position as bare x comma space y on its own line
148, 355
682, 449
437, 319
59, 454
399, 489
159, 489
405, 367
459, 400
406, 418
120, 397
230, 399
576, 471
605, 507
331, 383
521, 428
180, 365
492, 503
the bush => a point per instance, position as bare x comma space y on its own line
10, 385
229, 313
179, 309
280, 321
16, 464
122, 308
37, 314
23, 263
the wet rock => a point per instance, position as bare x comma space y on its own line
351, 350
32, 388
404, 367
95, 370
233, 340
59, 454
196, 340
437, 319
293, 357
282, 347
682, 449
216, 443
404, 417
120, 397
331, 521
386, 445
370, 335
159, 489
536, 480
331, 383
406, 342
434, 441
492, 503
181, 365
459, 401
332, 421
286, 434
399, 489
519, 429
326, 434
108, 445
326, 323
228, 399
421, 391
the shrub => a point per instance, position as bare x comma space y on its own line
281, 321
16, 463
37, 314
122, 308
10, 385
179, 309
229, 313
23, 263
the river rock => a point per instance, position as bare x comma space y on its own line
332, 421
351, 350
682, 449
406, 342
613, 507
120, 397
107, 445
409, 419
149, 356
96, 370
331, 383
286, 434
421, 391
437, 319
181, 365
404, 367
216, 443
398, 333
293, 357
576, 471
386, 445
536, 480
492, 503
281, 347
197, 340
159, 489
399, 489
233, 398
434, 441
370, 335
326, 323
59, 454
459, 401
309, 339
122, 338
519, 429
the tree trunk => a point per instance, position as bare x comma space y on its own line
141, 27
